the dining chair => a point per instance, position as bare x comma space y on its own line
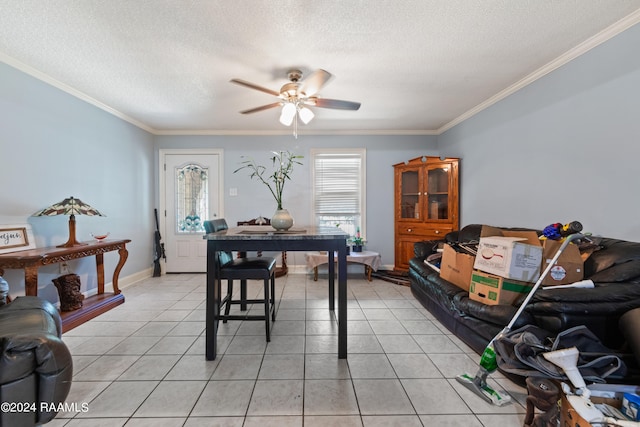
243, 269
281, 270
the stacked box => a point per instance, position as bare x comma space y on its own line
456, 267
567, 269
510, 254
492, 290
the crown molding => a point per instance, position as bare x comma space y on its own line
70, 90
286, 132
21, 66
594, 41
587, 45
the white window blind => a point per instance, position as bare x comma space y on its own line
338, 184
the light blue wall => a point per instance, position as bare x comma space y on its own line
564, 148
254, 199
53, 146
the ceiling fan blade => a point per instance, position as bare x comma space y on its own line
312, 84
254, 86
261, 108
334, 103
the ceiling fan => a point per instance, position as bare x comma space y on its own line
297, 95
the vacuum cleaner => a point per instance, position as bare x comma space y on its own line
488, 363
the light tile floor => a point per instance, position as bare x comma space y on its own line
142, 363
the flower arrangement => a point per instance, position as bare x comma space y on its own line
282, 167
357, 240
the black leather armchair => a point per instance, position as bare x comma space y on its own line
35, 365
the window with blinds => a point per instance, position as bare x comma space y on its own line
339, 189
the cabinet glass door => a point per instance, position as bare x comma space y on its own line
410, 194
438, 178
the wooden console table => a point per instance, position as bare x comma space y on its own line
31, 260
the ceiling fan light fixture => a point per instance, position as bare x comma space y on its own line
296, 95
288, 113
306, 115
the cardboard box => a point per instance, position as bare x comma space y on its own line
509, 254
611, 394
569, 417
456, 267
492, 290
568, 269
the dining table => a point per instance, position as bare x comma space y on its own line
258, 238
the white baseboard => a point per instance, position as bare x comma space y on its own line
123, 282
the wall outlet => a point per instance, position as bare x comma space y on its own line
233, 192
64, 268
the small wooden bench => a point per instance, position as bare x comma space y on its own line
371, 261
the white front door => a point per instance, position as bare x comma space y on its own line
191, 183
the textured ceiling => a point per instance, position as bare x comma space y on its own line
417, 66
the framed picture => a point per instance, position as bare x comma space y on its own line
16, 238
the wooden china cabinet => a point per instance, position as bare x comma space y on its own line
426, 203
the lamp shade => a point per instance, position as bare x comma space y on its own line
72, 207
288, 113
305, 115
69, 206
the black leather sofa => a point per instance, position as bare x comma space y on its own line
614, 267
35, 365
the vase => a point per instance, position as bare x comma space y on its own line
356, 248
282, 220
